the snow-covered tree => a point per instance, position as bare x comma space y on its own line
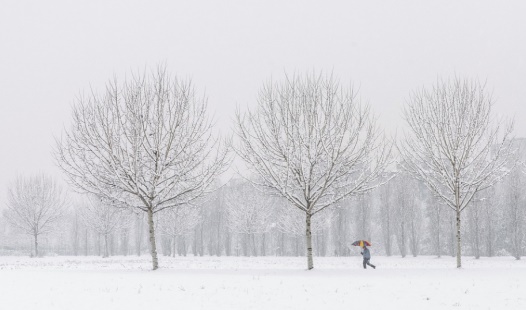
214, 219
385, 207
361, 206
139, 230
483, 218
146, 143
452, 144
415, 219
436, 222
515, 213
405, 197
249, 213
492, 210
403, 201
104, 218
75, 228
341, 231
310, 141
34, 205
176, 222
475, 223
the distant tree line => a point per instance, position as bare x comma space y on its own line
494, 226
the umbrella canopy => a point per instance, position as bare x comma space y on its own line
361, 243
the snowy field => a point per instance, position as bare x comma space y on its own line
261, 283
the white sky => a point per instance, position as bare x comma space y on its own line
50, 51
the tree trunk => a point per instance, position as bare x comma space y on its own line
124, 246
439, 252
439, 246
153, 248
218, 248
201, 243
183, 245
452, 237
477, 241
254, 249
310, 263
263, 245
76, 238
194, 248
111, 246
297, 244
402, 241
414, 240
283, 249
86, 244
459, 263
138, 234
387, 234
36, 245
490, 237
228, 244
515, 240
106, 249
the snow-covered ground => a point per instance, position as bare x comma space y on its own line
275, 283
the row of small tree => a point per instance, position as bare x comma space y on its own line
400, 218
146, 145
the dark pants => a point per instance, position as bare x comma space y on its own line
366, 262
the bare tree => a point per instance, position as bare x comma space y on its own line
475, 225
341, 232
139, 232
104, 218
436, 224
386, 213
452, 145
492, 213
75, 230
415, 218
311, 142
34, 205
515, 213
249, 213
407, 212
146, 143
362, 210
403, 201
214, 215
177, 222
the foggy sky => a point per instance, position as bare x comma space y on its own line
51, 51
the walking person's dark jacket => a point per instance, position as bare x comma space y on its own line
366, 254
366, 257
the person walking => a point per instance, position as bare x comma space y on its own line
366, 257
